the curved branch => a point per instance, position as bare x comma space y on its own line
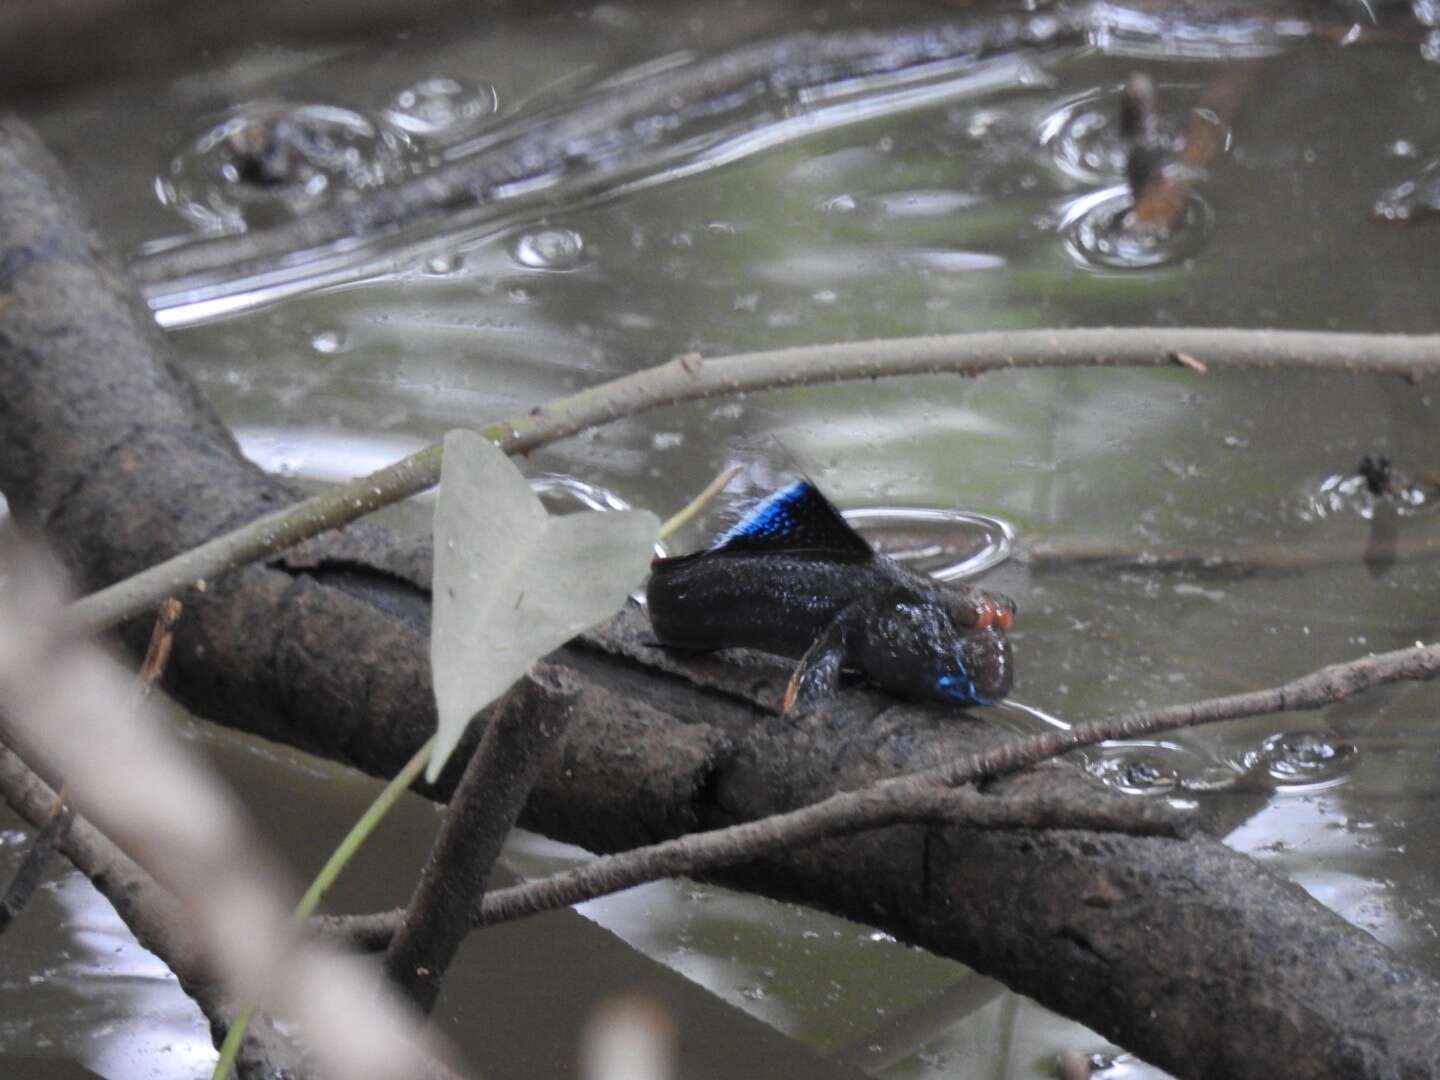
691, 378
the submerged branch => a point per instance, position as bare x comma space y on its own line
690, 378
1239, 561
481, 813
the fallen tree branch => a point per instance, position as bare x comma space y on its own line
690, 378
918, 797
883, 804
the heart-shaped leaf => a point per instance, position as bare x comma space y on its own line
513, 583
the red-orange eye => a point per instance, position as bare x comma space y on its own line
1005, 618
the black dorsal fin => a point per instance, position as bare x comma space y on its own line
795, 518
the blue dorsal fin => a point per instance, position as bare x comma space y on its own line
795, 518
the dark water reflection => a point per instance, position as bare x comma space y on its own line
943, 216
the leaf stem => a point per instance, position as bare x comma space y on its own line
695, 505
344, 851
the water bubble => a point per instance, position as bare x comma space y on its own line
330, 342
1136, 770
1349, 493
444, 264
1416, 196
667, 440
440, 106
1099, 232
550, 249
946, 544
1430, 47
1302, 760
566, 494
563, 494
266, 162
1154, 767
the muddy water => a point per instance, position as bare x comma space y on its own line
979, 193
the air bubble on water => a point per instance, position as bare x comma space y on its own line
1302, 760
550, 249
440, 107
268, 161
1098, 232
1430, 47
667, 440
330, 342
444, 264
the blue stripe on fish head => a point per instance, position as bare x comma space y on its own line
960, 688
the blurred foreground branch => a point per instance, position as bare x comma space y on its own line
51, 832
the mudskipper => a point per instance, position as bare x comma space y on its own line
793, 578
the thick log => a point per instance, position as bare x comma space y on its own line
1184, 951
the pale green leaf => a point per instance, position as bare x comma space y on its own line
512, 583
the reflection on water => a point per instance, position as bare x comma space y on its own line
102, 1000
931, 195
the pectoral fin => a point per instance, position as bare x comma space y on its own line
817, 675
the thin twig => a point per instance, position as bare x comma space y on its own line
695, 505
157, 654
918, 797
873, 807
689, 379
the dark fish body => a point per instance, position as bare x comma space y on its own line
778, 603
792, 578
